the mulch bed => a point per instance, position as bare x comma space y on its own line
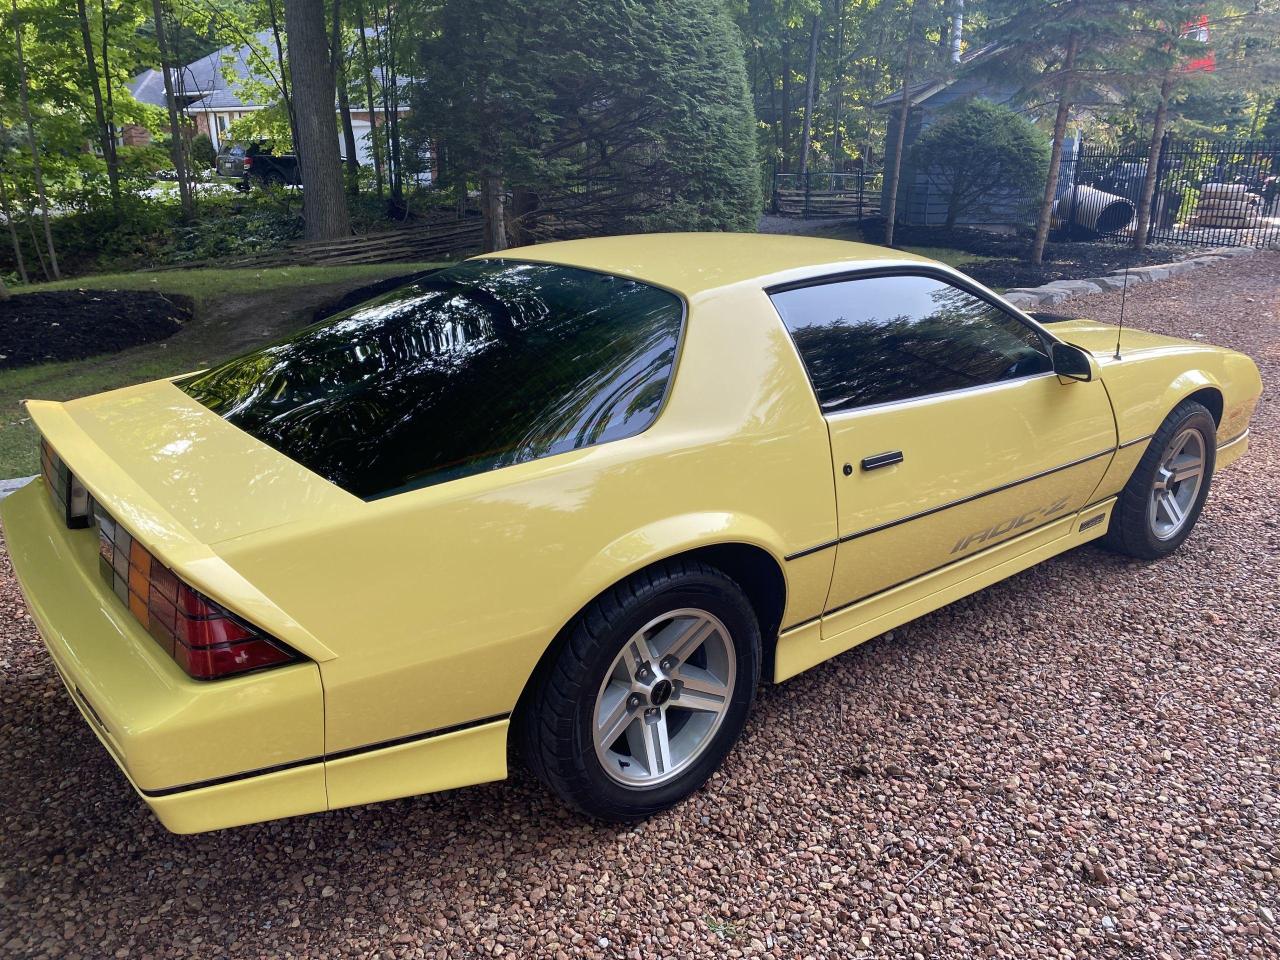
73, 324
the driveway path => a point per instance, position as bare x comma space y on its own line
1081, 761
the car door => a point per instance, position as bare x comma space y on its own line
949, 431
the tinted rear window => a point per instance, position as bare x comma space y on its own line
484, 365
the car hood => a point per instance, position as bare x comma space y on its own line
174, 471
1100, 338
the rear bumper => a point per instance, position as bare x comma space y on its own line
165, 730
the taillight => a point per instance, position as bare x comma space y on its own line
207, 640
69, 495
248, 162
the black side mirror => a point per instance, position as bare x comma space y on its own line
1071, 362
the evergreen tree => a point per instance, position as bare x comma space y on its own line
1063, 50
596, 117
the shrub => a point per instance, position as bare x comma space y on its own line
203, 156
977, 151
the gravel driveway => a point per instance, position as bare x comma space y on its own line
1079, 762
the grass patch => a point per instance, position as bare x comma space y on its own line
236, 310
948, 255
203, 286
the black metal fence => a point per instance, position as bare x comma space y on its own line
1207, 192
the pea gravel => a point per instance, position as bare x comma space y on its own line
1079, 762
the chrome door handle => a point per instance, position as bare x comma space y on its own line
879, 460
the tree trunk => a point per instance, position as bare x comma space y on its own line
106, 79
176, 147
391, 83
786, 106
367, 69
837, 95
324, 204
344, 102
105, 140
4, 290
37, 173
1055, 154
1153, 161
810, 85
495, 227
900, 136
13, 232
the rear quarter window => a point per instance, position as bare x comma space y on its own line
484, 365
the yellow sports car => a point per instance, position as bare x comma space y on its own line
579, 498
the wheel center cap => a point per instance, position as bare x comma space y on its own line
661, 692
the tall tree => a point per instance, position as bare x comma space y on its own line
324, 204
1063, 51
177, 147
106, 139
810, 90
643, 123
9, 221
894, 173
366, 68
1063, 113
337, 54
33, 144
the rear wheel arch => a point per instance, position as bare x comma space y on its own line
753, 568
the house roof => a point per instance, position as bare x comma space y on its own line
924, 89
217, 81
148, 87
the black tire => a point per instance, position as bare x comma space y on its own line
554, 723
1132, 531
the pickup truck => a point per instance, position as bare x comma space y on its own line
256, 163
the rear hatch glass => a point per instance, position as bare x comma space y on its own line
483, 365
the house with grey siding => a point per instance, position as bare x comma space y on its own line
921, 202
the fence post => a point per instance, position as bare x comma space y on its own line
1156, 208
1076, 164
808, 178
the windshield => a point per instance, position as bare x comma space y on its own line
483, 365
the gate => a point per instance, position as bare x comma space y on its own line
855, 195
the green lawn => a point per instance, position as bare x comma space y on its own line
235, 311
205, 285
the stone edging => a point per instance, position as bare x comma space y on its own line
1052, 294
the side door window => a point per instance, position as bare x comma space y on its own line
949, 432
893, 338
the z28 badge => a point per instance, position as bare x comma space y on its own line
994, 533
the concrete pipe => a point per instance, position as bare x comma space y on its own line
1094, 211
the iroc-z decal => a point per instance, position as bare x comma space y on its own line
994, 533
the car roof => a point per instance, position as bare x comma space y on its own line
696, 263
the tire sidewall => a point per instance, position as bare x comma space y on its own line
720, 597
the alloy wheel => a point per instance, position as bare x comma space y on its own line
664, 697
1177, 484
